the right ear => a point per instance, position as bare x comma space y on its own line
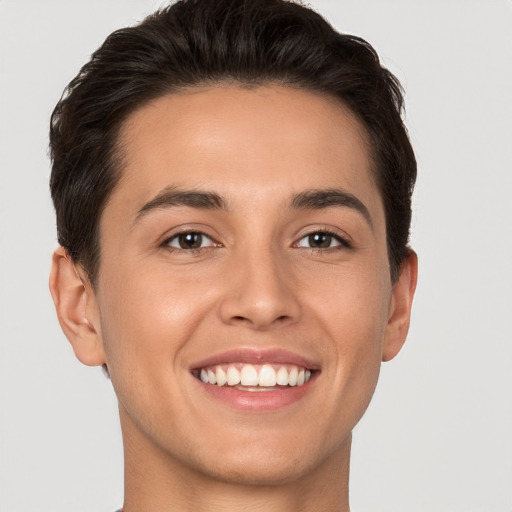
77, 309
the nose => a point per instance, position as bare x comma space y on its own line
260, 293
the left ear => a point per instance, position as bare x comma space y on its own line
400, 307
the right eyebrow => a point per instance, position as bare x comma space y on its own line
173, 196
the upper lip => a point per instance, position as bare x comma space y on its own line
257, 356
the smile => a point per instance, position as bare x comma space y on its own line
254, 377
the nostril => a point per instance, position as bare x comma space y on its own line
241, 318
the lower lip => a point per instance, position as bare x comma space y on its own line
257, 401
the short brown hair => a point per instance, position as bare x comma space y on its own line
198, 42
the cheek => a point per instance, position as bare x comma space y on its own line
352, 304
146, 320
353, 313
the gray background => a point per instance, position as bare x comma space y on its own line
438, 435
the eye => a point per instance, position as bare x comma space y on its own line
322, 240
189, 240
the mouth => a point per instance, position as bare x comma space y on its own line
254, 377
255, 380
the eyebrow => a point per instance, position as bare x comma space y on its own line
328, 198
173, 196
205, 200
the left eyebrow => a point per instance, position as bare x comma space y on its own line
318, 199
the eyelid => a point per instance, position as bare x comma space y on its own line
183, 230
344, 239
176, 238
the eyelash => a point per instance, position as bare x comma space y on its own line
167, 242
343, 242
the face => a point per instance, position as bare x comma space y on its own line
245, 246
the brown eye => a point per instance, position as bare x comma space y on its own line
321, 240
189, 241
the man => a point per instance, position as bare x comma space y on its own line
232, 182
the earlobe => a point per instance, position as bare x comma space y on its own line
76, 308
400, 309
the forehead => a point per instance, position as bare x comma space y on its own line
263, 142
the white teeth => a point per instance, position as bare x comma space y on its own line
249, 375
292, 377
221, 376
267, 376
233, 376
254, 376
282, 376
212, 379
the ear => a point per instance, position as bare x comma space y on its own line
400, 307
77, 309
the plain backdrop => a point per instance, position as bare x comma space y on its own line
438, 434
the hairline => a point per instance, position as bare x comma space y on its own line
118, 153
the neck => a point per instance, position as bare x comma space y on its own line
157, 481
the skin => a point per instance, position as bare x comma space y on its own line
256, 282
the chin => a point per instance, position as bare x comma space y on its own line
258, 471
267, 464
